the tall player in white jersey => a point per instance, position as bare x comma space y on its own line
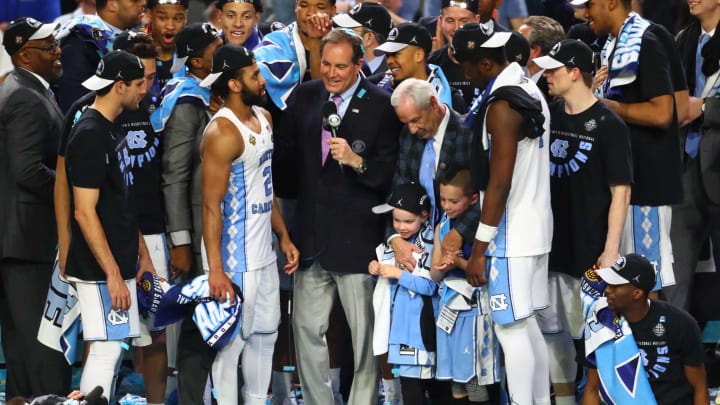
514, 236
239, 217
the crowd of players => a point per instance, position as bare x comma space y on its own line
531, 192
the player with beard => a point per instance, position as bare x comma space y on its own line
239, 216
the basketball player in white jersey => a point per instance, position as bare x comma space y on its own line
239, 216
512, 125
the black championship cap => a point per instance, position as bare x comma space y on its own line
405, 34
631, 269
373, 16
572, 53
115, 66
228, 58
470, 5
517, 49
191, 39
25, 29
472, 36
154, 3
409, 197
126, 39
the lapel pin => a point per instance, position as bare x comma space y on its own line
355, 110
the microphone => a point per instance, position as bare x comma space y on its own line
331, 121
331, 118
94, 396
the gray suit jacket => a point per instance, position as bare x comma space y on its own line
30, 124
710, 149
181, 174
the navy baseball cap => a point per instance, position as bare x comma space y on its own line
409, 197
571, 53
228, 58
630, 269
113, 67
473, 36
517, 49
193, 38
403, 35
25, 29
373, 16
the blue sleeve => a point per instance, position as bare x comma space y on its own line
417, 284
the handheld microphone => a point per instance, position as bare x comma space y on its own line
93, 397
331, 120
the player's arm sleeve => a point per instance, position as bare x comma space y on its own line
655, 78
691, 342
618, 153
26, 145
79, 62
86, 159
178, 154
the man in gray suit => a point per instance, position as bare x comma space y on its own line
30, 122
697, 217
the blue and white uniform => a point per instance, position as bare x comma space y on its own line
518, 254
469, 348
403, 333
249, 260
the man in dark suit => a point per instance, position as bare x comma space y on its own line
30, 122
697, 217
340, 179
433, 140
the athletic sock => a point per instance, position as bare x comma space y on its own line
569, 400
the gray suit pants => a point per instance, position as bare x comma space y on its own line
693, 221
315, 289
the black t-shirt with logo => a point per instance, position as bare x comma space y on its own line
145, 160
656, 151
668, 339
589, 152
97, 157
454, 74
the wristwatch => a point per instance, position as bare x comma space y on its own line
362, 168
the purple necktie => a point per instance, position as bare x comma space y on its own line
326, 135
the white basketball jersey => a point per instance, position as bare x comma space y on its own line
526, 226
246, 243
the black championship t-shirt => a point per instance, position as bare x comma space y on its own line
656, 151
668, 339
144, 160
97, 157
589, 152
455, 75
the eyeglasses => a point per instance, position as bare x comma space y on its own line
48, 48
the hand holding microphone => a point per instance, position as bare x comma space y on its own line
340, 150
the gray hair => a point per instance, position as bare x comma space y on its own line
545, 32
418, 90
